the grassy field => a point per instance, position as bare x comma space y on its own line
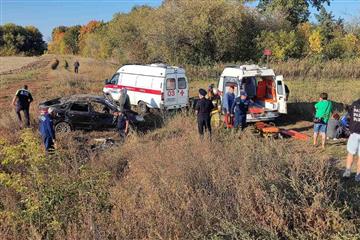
12, 63
167, 183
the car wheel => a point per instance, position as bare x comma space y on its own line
142, 107
62, 127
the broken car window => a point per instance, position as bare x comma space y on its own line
80, 107
100, 107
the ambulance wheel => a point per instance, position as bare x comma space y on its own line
62, 127
142, 107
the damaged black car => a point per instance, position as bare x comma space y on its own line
86, 112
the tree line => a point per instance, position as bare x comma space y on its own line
18, 40
204, 32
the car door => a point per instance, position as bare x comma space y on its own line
281, 94
79, 115
102, 115
182, 90
170, 93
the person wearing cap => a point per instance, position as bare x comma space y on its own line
21, 101
122, 124
46, 128
240, 108
203, 109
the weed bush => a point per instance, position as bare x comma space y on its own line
54, 64
51, 198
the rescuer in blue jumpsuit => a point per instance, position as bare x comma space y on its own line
240, 108
46, 129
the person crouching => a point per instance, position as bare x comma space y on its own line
46, 128
240, 108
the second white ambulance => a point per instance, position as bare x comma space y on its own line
156, 86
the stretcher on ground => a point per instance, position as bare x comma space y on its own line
270, 130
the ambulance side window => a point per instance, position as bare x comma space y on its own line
182, 83
170, 84
114, 80
280, 90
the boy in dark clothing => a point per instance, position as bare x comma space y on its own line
240, 108
21, 101
353, 145
203, 109
46, 129
122, 125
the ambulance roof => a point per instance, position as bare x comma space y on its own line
247, 71
158, 70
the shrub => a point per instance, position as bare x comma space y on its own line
54, 64
51, 197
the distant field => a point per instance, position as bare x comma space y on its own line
12, 63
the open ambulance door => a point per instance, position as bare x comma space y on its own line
281, 94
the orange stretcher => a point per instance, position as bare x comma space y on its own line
271, 130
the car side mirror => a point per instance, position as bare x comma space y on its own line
107, 81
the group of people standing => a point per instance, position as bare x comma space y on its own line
233, 107
349, 124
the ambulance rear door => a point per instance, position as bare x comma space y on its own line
281, 94
170, 91
183, 91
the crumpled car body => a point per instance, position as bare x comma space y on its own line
86, 112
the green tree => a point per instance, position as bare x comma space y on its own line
16, 39
71, 39
296, 11
329, 27
283, 44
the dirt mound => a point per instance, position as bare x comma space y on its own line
36, 64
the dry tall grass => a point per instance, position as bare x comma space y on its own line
233, 187
169, 184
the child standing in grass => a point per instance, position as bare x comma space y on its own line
353, 145
323, 111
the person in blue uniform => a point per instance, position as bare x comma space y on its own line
203, 109
21, 101
240, 108
46, 129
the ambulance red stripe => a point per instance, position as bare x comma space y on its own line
135, 89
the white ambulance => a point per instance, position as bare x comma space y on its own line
266, 91
156, 86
